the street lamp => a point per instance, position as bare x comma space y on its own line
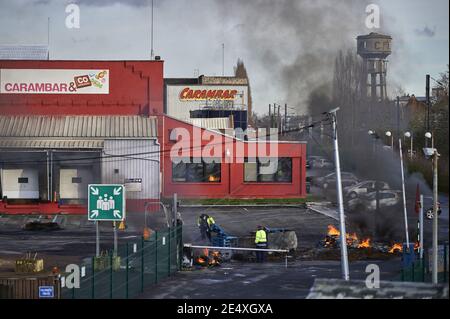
389, 134
409, 135
428, 136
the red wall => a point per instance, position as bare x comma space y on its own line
134, 86
232, 174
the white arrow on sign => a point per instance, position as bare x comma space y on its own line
94, 213
117, 191
94, 191
117, 214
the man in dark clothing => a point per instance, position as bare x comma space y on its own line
202, 224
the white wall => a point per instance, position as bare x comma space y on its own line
144, 166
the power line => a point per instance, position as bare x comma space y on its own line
191, 148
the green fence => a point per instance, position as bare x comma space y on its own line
138, 265
420, 271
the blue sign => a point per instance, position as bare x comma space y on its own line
46, 292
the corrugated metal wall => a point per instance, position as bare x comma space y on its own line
143, 166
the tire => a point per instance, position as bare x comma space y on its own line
429, 214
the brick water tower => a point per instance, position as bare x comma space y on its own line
374, 48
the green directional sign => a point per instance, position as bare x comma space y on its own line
106, 202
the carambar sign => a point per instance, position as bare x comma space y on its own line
54, 81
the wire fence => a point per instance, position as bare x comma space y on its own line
137, 266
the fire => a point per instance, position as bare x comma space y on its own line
209, 258
333, 231
351, 238
365, 243
396, 248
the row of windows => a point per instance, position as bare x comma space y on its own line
274, 170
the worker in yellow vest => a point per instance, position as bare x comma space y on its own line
261, 243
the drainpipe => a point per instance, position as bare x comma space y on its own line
48, 175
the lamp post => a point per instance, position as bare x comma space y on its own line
428, 136
389, 134
410, 136
434, 155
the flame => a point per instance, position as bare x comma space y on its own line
350, 238
333, 231
365, 243
396, 248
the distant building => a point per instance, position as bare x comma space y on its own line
208, 97
24, 52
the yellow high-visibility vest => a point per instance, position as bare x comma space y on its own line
210, 221
260, 236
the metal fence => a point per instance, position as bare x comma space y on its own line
420, 270
138, 265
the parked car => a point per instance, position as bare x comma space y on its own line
345, 182
322, 163
329, 179
363, 187
429, 213
387, 198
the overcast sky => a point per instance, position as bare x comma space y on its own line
287, 45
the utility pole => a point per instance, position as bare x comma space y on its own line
285, 117
398, 118
270, 117
343, 240
152, 53
279, 119
435, 217
404, 195
223, 59
427, 93
421, 229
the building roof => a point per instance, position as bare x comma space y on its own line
213, 123
24, 52
51, 143
78, 127
374, 35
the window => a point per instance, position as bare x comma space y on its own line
22, 180
76, 180
191, 172
116, 171
274, 170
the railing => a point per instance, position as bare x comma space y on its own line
137, 266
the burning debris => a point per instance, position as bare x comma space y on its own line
332, 240
209, 258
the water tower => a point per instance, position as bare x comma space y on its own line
374, 48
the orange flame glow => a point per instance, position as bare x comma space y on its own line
365, 243
396, 248
333, 231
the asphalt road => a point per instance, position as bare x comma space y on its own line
259, 281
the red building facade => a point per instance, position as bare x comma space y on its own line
62, 110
